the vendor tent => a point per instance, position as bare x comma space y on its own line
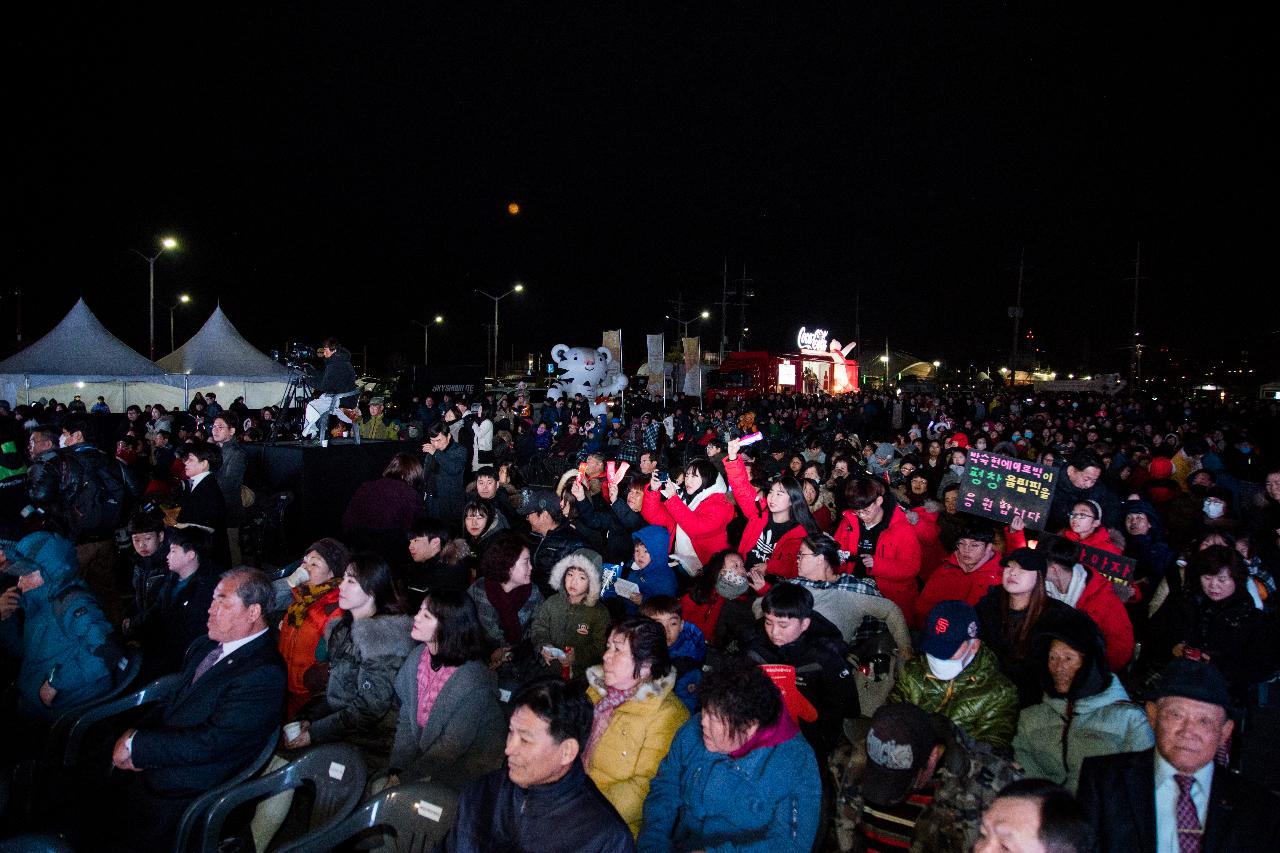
79, 356
219, 359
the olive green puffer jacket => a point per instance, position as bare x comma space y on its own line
981, 700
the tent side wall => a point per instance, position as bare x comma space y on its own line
118, 393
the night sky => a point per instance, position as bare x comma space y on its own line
344, 170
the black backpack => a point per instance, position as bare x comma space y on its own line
94, 495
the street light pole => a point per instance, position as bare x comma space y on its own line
684, 331
165, 243
182, 300
518, 288
426, 331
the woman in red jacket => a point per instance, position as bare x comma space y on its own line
925, 510
880, 541
776, 523
695, 513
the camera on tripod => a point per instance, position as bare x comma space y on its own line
298, 357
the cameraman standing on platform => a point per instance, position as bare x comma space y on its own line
339, 380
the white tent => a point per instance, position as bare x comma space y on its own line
219, 359
79, 356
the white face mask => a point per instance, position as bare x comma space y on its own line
62, 440
947, 670
1214, 509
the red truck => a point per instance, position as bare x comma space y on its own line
752, 374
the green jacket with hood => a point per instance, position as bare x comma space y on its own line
980, 700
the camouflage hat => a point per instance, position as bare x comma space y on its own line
377, 401
899, 743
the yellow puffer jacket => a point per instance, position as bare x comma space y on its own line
639, 734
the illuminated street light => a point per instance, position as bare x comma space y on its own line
426, 331
183, 299
167, 244
684, 324
518, 287
513, 209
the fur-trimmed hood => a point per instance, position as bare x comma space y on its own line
455, 552
580, 559
653, 688
378, 636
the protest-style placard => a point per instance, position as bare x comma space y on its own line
1113, 567
1000, 488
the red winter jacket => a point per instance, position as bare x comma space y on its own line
1100, 603
298, 648
704, 524
897, 557
949, 582
931, 551
783, 560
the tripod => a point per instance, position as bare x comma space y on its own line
296, 395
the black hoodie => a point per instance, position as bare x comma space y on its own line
339, 375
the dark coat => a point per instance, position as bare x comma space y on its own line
362, 657
178, 619
339, 375
443, 488
497, 816
551, 549
211, 729
1022, 669
823, 676
205, 506
1238, 637
1117, 793
230, 477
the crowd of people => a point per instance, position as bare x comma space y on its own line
645, 632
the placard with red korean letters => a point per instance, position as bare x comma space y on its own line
1114, 567
1000, 488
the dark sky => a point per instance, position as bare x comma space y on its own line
346, 170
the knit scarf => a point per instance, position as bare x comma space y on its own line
305, 595
430, 682
603, 714
507, 605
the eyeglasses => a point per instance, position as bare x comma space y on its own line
800, 555
1087, 515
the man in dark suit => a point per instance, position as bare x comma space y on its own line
1173, 799
229, 703
202, 500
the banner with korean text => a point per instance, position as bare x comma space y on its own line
1000, 487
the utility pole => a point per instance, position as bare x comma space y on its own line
1135, 360
724, 304
857, 323
1016, 311
744, 293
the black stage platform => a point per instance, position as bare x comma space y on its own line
323, 479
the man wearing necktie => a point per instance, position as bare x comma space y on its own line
229, 702
1174, 799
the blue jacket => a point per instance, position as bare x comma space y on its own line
61, 625
768, 800
687, 654
657, 578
